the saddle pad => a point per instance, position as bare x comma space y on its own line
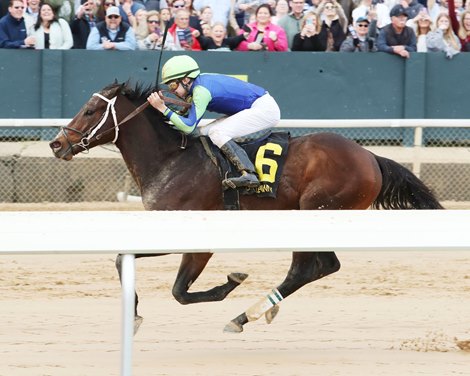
268, 155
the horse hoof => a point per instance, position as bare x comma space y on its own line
137, 322
237, 277
233, 327
271, 314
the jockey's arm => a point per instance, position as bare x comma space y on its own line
187, 124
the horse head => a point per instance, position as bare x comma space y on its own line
95, 124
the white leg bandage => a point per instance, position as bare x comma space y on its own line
257, 310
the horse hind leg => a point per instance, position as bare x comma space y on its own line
192, 264
306, 267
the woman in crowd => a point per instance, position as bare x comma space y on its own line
165, 16
139, 23
422, 26
334, 25
443, 38
281, 10
50, 31
309, 37
206, 15
264, 35
218, 39
153, 37
462, 28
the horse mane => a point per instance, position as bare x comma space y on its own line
137, 94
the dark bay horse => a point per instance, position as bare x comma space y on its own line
322, 171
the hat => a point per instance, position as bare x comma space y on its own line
112, 11
362, 19
398, 10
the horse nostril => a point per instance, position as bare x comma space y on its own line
55, 145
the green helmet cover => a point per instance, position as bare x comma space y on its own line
180, 67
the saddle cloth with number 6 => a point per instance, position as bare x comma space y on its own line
268, 154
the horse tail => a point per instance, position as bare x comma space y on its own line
401, 189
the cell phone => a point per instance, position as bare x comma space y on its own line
309, 21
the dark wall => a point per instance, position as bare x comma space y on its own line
55, 84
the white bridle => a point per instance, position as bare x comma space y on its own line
105, 117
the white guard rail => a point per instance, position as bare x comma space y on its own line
418, 124
153, 232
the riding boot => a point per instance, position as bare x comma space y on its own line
240, 160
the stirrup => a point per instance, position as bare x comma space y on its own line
246, 180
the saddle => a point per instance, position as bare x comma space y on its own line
267, 152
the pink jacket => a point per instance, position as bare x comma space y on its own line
279, 45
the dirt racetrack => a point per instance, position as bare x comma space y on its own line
398, 313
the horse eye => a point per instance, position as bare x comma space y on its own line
89, 112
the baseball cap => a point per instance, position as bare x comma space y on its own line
362, 19
398, 10
112, 11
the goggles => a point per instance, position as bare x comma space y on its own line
173, 85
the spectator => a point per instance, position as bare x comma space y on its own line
103, 5
150, 4
291, 22
13, 28
246, 9
412, 7
264, 35
281, 10
219, 40
31, 13
112, 33
50, 31
443, 38
63, 8
83, 22
396, 37
139, 23
154, 38
165, 16
367, 9
206, 16
128, 9
362, 38
206, 29
334, 25
422, 26
462, 28
309, 37
193, 19
181, 36
220, 9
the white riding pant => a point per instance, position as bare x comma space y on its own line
263, 114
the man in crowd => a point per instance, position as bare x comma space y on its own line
112, 33
13, 28
291, 22
396, 37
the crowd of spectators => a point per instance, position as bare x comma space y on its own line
392, 26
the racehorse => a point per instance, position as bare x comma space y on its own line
322, 171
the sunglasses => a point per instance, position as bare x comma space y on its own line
113, 17
173, 85
18, 7
108, 4
178, 6
363, 25
153, 21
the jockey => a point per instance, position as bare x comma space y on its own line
249, 108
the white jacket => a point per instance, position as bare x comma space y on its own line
60, 36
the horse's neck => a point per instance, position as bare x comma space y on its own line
148, 149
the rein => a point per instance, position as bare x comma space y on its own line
87, 136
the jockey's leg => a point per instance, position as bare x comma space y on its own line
242, 163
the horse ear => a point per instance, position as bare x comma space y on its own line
116, 81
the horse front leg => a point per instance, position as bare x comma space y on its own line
137, 319
192, 264
306, 267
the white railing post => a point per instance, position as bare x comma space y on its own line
128, 302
